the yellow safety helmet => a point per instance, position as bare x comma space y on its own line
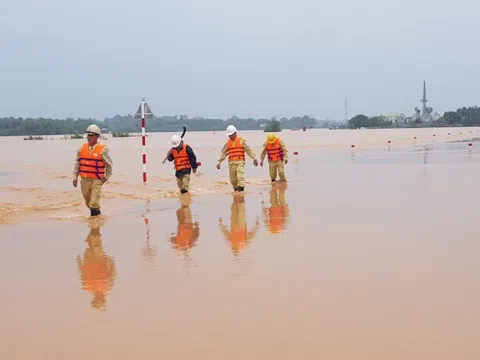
271, 138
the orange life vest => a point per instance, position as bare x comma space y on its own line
275, 152
181, 158
236, 152
91, 162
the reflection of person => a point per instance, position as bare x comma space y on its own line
236, 148
238, 236
188, 232
94, 165
276, 216
277, 156
97, 269
185, 162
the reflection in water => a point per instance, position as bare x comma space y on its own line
276, 217
188, 232
149, 252
97, 269
238, 236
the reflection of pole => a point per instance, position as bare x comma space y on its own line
148, 251
144, 143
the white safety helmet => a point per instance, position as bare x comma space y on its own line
176, 140
93, 129
231, 130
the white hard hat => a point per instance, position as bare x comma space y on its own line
93, 129
231, 130
176, 140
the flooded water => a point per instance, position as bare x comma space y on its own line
366, 253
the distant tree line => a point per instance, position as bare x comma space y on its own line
466, 116
128, 124
41, 126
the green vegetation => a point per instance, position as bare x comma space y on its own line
273, 126
33, 138
41, 126
121, 135
462, 117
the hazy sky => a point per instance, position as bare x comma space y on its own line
95, 58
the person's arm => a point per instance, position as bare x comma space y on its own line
264, 153
249, 151
170, 156
107, 159
76, 167
223, 154
192, 158
284, 150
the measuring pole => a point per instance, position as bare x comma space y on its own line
144, 143
143, 112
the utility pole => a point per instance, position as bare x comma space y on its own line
346, 112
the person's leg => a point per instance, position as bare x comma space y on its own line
233, 175
85, 185
95, 195
272, 167
185, 184
281, 170
241, 176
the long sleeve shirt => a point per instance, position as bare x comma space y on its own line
107, 159
282, 145
248, 151
191, 157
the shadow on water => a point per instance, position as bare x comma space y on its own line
277, 216
97, 269
238, 235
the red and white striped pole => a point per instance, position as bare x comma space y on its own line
144, 143
143, 113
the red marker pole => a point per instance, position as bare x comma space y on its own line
144, 143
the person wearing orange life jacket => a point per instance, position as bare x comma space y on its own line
185, 162
238, 236
94, 165
277, 215
277, 156
97, 269
236, 148
188, 232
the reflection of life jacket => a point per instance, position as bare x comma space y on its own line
276, 219
181, 158
238, 238
274, 150
236, 152
185, 235
91, 162
97, 275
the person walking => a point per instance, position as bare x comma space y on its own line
277, 156
185, 162
236, 148
94, 165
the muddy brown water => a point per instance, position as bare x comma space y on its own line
364, 254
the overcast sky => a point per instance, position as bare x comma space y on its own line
212, 58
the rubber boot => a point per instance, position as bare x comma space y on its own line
241, 188
94, 212
183, 191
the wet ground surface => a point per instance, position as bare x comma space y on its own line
370, 254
